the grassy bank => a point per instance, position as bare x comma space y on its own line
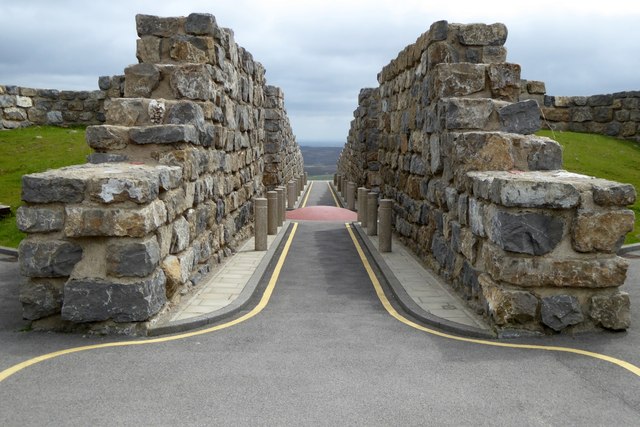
29, 150
603, 157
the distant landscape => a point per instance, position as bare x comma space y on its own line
320, 162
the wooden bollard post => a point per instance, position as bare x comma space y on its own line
305, 179
372, 214
362, 206
384, 230
272, 212
335, 179
339, 186
291, 195
351, 196
281, 204
261, 224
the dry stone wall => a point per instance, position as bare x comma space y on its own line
177, 167
23, 106
479, 197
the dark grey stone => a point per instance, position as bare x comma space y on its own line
54, 117
39, 219
560, 311
186, 113
133, 259
41, 299
611, 311
7, 101
200, 24
483, 35
520, 117
603, 114
141, 80
416, 166
467, 113
104, 82
439, 31
179, 235
43, 188
614, 195
49, 93
149, 25
92, 300
581, 114
164, 134
544, 155
52, 258
527, 233
600, 100
97, 158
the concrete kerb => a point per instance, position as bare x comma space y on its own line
8, 251
337, 195
405, 301
237, 305
629, 248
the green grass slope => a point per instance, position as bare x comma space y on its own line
603, 157
30, 150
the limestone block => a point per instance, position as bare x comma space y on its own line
7, 101
178, 269
53, 186
536, 153
107, 137
600, 100
559, 272
483, 34
185, 49
193, 82
520, 190
526, 233
140, 80
180, 235
107, 221
200, 24
133, 258
536, 87
508, 307
440, 53
16, 114
186, 113
456, 80
611, 311
48, 258
41, 297
581, 114
93, 299
601, 231
467, 113
609, 193
147, 50
125, 111
476, 217
175, 202
98, 158
478, 151
520, 117
35, 219
149, 25
164, 134
560, 311
504, 80
494, 54
438, 31
54, 118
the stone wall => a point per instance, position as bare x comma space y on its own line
177, 166
481, 199
616, 114
22, 107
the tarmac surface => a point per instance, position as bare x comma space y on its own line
321, 349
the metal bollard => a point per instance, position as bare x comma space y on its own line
281, 204
261, 224
372, 214
362, 206
351, 196
384, 231
272, 212
291, 195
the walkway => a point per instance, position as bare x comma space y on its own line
316, 346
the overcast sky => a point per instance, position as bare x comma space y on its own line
322, 52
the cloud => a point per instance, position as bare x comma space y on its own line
323, 52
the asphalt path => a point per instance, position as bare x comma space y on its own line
323, 351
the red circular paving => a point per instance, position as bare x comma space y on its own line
322, 213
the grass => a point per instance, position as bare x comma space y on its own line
30, 150
603, 157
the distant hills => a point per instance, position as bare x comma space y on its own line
320, 161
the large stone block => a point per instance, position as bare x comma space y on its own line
508, 307
178, 269
133, 258
457, 80
41, 298
48, 258
164, 134
483, 34
520, 117
91, 300
40, 219
608, 193
611, 311
149, 25
601, 231
107, 221
504, 80
60, 185
148, 50
560, 311
523, 190
180, 235
558, 272
477, 151
201, 24
140, 188
141, 80
107, 137
526, 233
467, 113
193, 82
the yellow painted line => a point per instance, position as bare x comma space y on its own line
257, 309
306, 198
335, 199
392, 311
